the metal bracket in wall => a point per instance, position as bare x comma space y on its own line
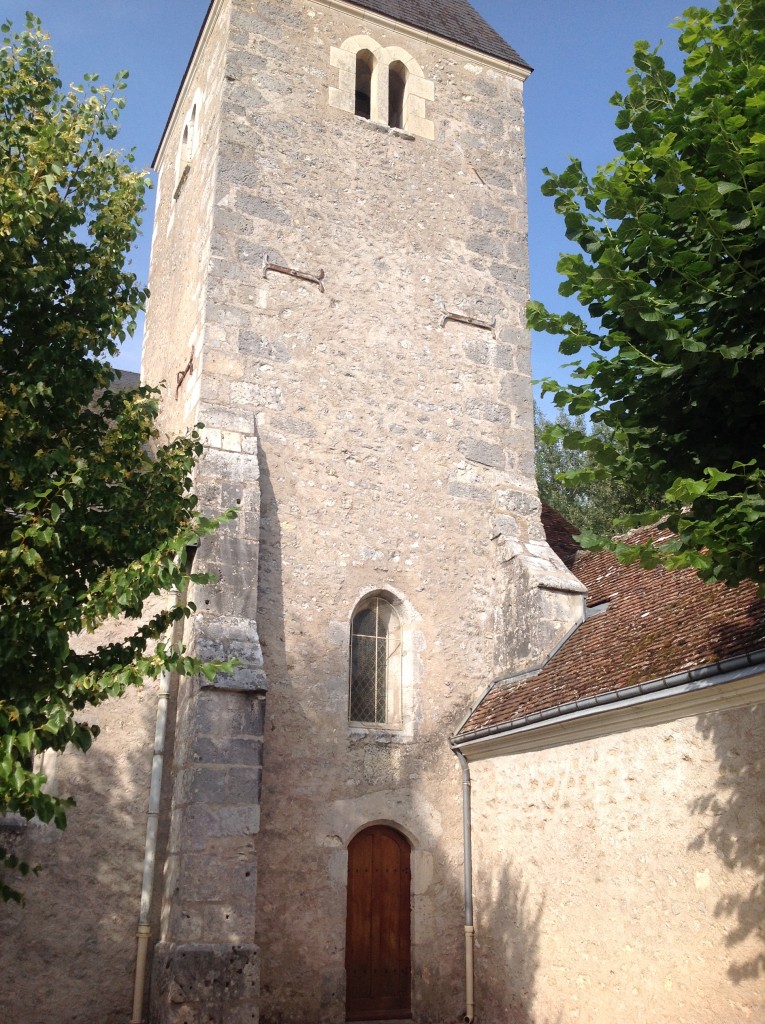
181, 375
182, 182
277, 269
458, 318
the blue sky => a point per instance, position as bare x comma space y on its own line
580, 50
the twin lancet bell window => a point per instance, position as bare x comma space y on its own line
365, 82
383, 85
375, 677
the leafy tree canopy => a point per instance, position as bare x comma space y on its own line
95, 513
590, 502
671, 260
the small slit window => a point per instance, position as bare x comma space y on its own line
188, 144
396, 94
364, 70
375, 670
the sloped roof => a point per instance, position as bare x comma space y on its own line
657, 624
451, 19
127, 380
560, 535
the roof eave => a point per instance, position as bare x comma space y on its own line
206, 24
729, 683
344, 5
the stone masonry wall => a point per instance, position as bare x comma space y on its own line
621, 878
175, 323
206, 966
382, 449
69, 953
395, 454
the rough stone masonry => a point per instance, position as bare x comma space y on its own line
373, 442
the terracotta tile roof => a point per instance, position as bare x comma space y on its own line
657, 624
451, 19
560, 534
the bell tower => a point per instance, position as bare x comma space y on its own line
338, 284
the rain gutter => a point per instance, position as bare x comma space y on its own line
675, 685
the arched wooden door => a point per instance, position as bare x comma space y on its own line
378, 936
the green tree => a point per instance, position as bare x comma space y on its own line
671, 236
569, 480
95, 513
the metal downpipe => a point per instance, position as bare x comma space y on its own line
150, 850
467, 840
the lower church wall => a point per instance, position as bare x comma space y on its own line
302, 896
69, 954
623, 877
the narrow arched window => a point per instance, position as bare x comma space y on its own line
396, 94
364, 69
188, 141
375, 676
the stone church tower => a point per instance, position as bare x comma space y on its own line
338, 282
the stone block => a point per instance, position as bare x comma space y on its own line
226, 750
226, 629
224, 715
209, 785
263, 209
515, 389
469, 492
243, 820
260, 350
244, 785
494, 412
218, 878
483, 452
486, 245
506, 275
228, 922
519, 503
486, 212
205, 984
477, 352
229, 466
217, 417
246, 680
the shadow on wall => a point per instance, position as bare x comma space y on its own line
270, 588
69, 954
508, 930
734, 827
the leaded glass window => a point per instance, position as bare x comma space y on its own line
375, 660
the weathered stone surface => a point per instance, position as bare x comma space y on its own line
482, 452
205, 984
365, 448
614, 895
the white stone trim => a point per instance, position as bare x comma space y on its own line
401, 731
419, 89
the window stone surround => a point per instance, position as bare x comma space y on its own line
419, 89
